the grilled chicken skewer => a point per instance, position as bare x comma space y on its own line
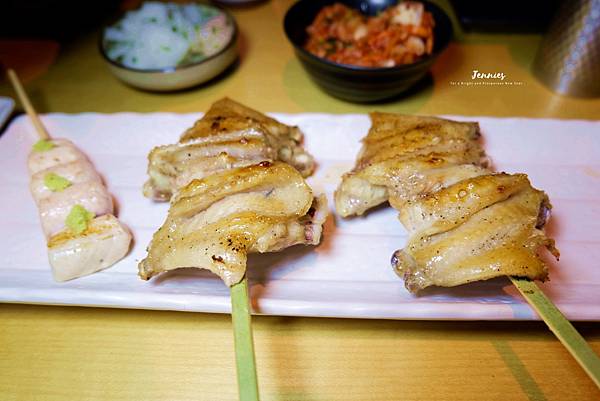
231, 194
465, 223
76, 210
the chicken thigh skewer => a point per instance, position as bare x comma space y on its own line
76, 210
465, 223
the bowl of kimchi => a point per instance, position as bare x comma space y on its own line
367, 50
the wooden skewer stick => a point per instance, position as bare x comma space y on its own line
35, 119
244, 343
560, 326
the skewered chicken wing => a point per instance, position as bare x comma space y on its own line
409, 156
465, 223
63, 181
229, 135
214, 222
476, 229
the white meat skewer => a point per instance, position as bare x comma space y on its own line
103, 240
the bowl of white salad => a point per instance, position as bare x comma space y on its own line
170, 46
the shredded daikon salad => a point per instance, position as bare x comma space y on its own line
163, 35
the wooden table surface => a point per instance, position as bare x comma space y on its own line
72, 353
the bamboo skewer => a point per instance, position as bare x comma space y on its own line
560, 326
33, 116
240, 305
244, 343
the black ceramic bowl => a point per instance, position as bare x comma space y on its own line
361, 84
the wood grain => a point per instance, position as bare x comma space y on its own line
59, 353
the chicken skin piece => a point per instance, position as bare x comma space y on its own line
214, 222
408, 156
229, 135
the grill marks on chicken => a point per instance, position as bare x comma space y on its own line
465, 223
229, 135
214, 222
408, 156
476, 229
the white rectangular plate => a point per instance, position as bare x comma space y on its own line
349, 274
